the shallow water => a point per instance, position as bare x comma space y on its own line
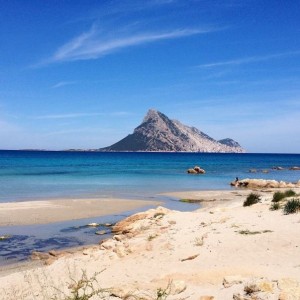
40, 174
26, 175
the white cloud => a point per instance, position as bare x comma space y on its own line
68, 116
247, 60
63, 83
91, 45
80, 115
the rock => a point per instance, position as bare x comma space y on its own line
177, 287
229, 281
263, 183
118, 237
207, 298
108, 224
196, 170
124, 226
101, 232
191, 171
278, 168
199, 170
295, 168
134, 223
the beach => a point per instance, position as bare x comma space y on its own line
220, 251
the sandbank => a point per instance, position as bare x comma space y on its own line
58, 210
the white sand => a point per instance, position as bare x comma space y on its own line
43, 212
193, 251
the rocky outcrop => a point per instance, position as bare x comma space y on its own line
158, 133
263, 183
134, 223
196, 170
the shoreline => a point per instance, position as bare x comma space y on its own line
215, 251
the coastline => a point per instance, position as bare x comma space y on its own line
215, 251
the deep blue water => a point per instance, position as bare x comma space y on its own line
40, 174
30, 175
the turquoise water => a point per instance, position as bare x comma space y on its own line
34, 175
39, 175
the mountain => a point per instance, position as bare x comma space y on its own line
158, 133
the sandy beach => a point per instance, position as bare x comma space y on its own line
222, 251
50, 211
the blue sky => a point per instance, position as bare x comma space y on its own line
82, 74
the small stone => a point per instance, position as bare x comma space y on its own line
207, 298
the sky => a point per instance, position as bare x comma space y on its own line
83, 73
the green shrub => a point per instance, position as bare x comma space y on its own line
292, 206
290, 193
278, 196
275, 206
252, 198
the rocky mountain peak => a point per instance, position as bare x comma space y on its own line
159, 133
152, 114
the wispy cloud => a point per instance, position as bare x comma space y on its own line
63, 83
93, 45
248, 60
80, 115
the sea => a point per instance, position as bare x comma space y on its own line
38, 175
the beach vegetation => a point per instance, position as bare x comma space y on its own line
252, 198
163, 293
292, 206
278, 196
290, 193
83, 289
275, 206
